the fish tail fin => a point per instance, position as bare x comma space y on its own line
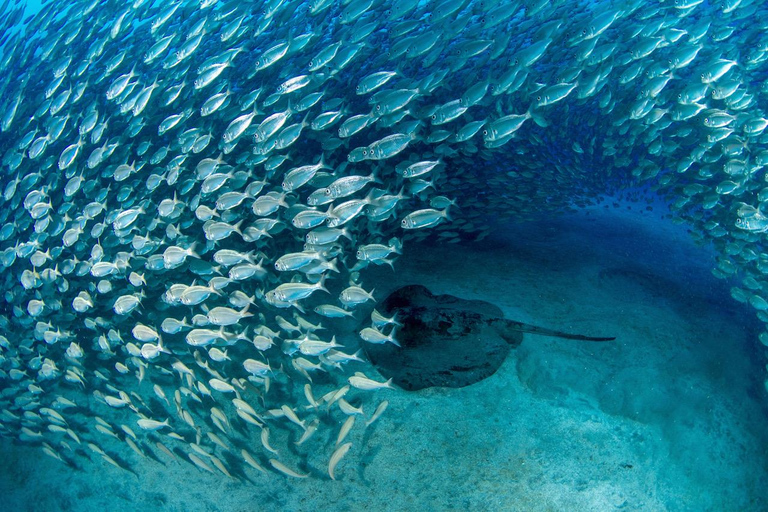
392, 338
321, 284
161, 347
192, 251
538, 119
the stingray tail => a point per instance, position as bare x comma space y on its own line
532, 329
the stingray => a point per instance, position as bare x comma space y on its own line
448, 341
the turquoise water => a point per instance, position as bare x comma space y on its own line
205, 205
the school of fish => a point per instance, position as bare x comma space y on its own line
193, 189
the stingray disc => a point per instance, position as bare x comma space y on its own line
445, 341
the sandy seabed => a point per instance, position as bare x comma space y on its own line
670, 416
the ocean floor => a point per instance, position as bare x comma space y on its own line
670, 416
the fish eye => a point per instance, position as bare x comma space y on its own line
357, 88
485, 132
584, 32
378, 107
328, 192
434, 116
538, 98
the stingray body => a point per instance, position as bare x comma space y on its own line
448, 341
